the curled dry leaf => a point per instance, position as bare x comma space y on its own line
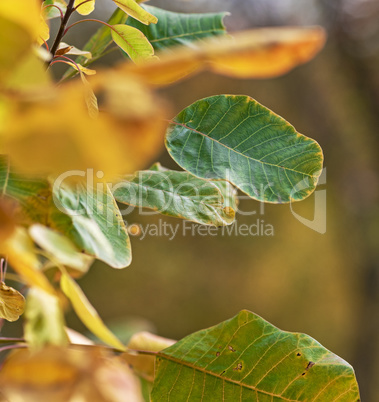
62, 375
258, 53
12, 303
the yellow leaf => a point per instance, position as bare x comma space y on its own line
259, 53
143, 364
29, 74
20, 27
56, 134
82, 69
64, 374
136, 11
133, 42
12, 303
87, 313
84, 7
21, 255
25, 14
44, 31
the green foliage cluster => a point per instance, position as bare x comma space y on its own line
107, 126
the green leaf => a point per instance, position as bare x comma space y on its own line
133, 42
93, 222
99, 42
136, 11
237, 139
44, 320
248, 359
174, 29
177, 194
87, 313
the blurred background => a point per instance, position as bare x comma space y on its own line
325, 285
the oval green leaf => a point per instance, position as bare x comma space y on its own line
248, 359
178, 194
90, 218
237, 139
133, 42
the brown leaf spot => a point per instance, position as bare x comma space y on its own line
238, 368
231, 348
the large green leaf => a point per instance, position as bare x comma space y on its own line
248, 359
175, 29
236, 138
178, 194
93, 222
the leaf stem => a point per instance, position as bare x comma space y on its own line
62, 29
88, 19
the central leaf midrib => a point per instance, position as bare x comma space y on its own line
202, 370
172, 194
239, 153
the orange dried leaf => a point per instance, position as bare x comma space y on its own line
259, 53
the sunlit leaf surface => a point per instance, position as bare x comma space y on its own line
237, 139
248, 359
133, 42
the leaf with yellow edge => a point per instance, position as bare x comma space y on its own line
133, 42
44, 320
12, 303
61, 248
89, 95
84, 7
136, 11
22, 257
143, 364
82, 69
258, 53
87, 313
